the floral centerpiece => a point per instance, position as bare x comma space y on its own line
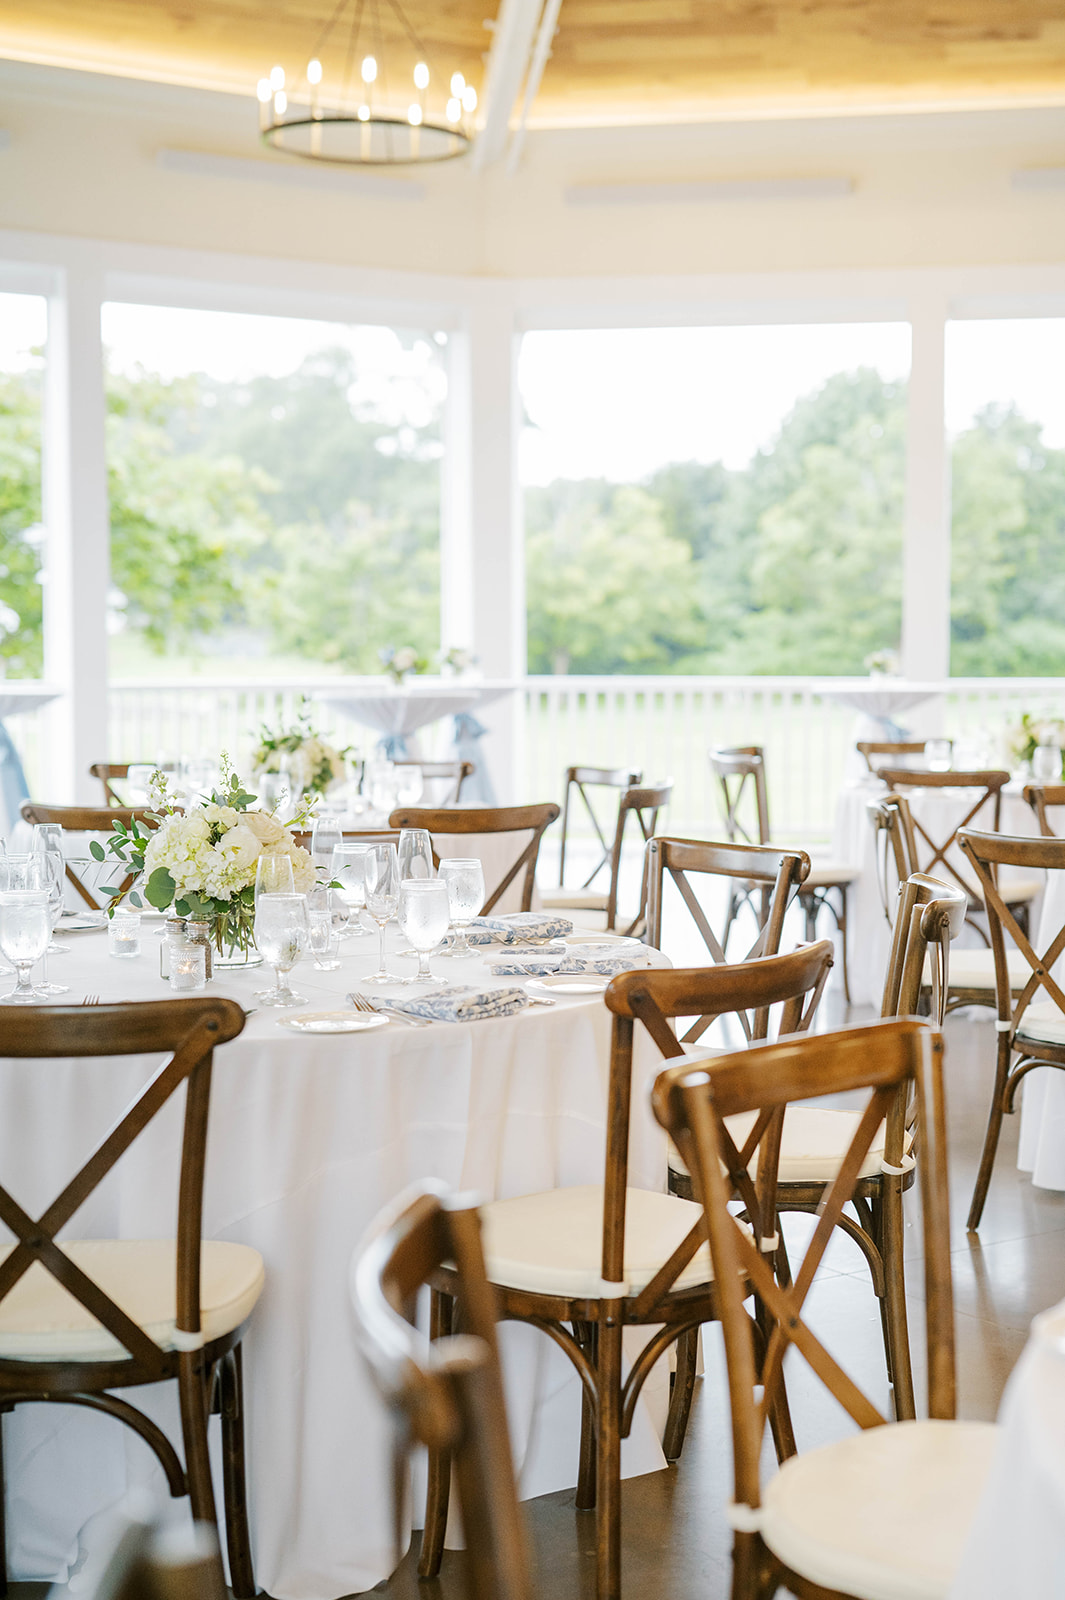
399, 664
882, 664
202, 862
456, 661
1023, 740
313, 764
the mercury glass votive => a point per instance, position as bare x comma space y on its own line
124, 934
188, 967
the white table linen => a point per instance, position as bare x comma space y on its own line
1017, 1543
395, 711
853, 841
309, 1137
1041, 1148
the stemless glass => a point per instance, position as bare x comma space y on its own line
273, 875
281, 938
464, 877
348, 868
381, 870
24, 932
415, 854
424, 914
326, 836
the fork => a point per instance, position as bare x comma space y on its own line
362, 1002
91, 1000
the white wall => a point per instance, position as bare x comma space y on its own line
929, 190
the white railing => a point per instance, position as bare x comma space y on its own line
663, 725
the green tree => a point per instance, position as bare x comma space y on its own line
21, 638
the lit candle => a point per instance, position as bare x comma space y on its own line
188, 968
124, 934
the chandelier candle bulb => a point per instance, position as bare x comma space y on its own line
277, 78
314, 73
421, 76
369, 69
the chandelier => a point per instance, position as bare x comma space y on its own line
359, 115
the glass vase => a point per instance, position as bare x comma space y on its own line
234, 938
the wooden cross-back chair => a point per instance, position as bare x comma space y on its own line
139, 1311
740, 771
576, 799
931, 852
454, 773
851, 1520
774, 873
448, 1396
645, 803
353, 836
1028, 1035
108, 772
89, 819
488, 819
584, 1263
972, 972
888, 748
1043, 797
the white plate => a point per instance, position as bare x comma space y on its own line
333, 1021
586, 936
570, 983
75, 922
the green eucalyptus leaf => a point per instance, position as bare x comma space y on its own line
97, 851
160, 889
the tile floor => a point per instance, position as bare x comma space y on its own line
675, 1539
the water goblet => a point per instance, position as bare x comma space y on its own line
409, 783
464, 877
281, 937
424, 914
348, 868
1046, 763
326, 836
24, 932
381, 869
46, 873
937, 754
415, 853
273, 875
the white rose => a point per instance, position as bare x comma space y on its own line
303, 874
265, 827
239, 847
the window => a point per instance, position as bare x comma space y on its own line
23, 333
714, 500
275, 492
1006, 419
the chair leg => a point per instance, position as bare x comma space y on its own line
438, 1495
585, 1334
994, 1128
810, 908
900, 1371
3, 1525
730, 917
192, 1395
608, 1464
680, 1401
234, 1482
841, 923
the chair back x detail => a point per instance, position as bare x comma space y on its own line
577, 783
533, 819
1041, 797
929, 853
449, 1396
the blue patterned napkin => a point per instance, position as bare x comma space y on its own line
462, 1005
537, 967
517, 927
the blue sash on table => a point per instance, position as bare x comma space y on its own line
13, 786
467, 733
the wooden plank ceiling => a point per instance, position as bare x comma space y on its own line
614, 61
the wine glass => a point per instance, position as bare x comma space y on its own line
464, 877
415, 854
46, 874
326, 836
322, 938
199, 778
348, 868
281, 937
24, 932
424, 914
47, 836
273, 875
409, 784
381, 869
937, 754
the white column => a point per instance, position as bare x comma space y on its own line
926, 530
78, 539
482, 586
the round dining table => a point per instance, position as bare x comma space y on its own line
310, 1136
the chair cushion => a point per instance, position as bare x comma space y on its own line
552, 1243
812, 1145
828, 875
975, 969
1016, 890
883, 1514
40, 1321
575, 899
1042, 1023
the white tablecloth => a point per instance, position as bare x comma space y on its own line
1041, 1149
1017, 1543
309, 1137
853, 841
391, 710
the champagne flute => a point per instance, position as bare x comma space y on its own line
348, 868
24, 932
382, 898
415, 853
424, 914
464, 877
326, 836
281, 937
273, 875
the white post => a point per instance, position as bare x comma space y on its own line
482, 586
926, 532
78, 538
